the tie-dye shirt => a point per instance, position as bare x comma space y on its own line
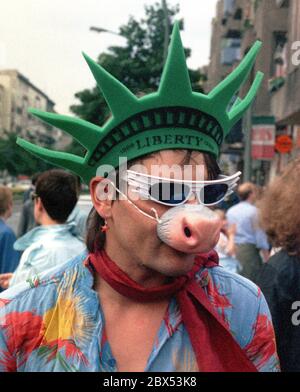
54, 322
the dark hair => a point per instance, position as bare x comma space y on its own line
213, 169
6, 198
95, 239
34, 178
57, 190
78, 185
245, 190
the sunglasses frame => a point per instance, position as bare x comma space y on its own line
143, 182
34, 196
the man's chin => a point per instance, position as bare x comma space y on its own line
181, 255
177, 263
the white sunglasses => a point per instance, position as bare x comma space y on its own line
171, 192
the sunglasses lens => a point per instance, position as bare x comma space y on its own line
169, 192
214, 193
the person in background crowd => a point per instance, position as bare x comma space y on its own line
280, 277
9, 258
230, 201
226, 246
78, 217
250, 239
31, 189
27, 221
52, 242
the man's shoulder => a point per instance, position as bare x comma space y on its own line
6, 231
233, 209
239, 302
282, 271
47, 281
235, 282
242, 205
233, 294
67, 241
241, 210
281, 260
53, 245
281, 266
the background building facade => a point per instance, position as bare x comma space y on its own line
276, 111
17, 94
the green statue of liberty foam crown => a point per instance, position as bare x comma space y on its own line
174, 117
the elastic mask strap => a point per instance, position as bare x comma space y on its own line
136, 207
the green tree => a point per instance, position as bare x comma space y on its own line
138, 65
15, 160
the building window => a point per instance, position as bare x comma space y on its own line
25, 103
256, 4
229, 6
37, 102
238, 14
283, 3
279, 54
231, 51
237, 34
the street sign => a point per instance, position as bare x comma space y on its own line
263, 141
284, 144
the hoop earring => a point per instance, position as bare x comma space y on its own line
105, 227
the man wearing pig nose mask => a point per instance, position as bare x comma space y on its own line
149, 294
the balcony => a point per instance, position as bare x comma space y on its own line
276, 83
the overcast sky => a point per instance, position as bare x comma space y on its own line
43, 39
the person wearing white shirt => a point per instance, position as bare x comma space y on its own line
52, 242
250, 240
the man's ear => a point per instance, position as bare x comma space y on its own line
103, 194
39, 204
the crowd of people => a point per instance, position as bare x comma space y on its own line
260, 240
51, 227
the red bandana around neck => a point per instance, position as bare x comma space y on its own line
215, 348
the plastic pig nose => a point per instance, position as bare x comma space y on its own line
189, 234
194, 231
190, 228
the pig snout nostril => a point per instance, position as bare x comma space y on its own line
187, 232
